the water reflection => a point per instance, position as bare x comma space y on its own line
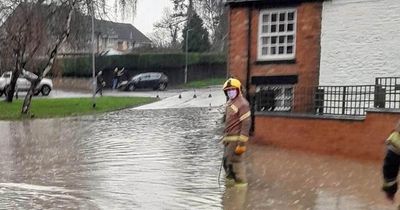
129, 159
165, 159
295, 180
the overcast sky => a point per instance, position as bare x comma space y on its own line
148, 12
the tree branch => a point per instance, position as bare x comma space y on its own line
59, 41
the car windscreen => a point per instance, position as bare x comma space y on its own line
136, 77
6, 75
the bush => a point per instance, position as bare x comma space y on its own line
81, 66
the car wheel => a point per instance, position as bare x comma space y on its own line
162, 86
45, 90
131, 87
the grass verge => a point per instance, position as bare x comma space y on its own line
65, 107
204, 83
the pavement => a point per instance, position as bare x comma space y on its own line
209, 97
173, 98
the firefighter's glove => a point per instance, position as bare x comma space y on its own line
240, 149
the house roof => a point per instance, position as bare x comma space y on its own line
105, 28
120, 30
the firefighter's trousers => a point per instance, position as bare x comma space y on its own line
233, 163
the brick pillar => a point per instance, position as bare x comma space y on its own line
238, 46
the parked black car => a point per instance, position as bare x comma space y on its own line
153, 80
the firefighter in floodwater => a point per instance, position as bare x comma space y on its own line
236, 133
391, 163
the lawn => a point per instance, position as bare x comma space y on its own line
204, 83
64, 107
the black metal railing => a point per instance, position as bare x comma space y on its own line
330, 100
343, 100
388, 89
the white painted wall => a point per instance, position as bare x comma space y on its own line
360, 40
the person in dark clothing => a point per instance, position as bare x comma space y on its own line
391, 163
100, 83
115, 79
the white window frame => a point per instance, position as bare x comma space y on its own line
269, 35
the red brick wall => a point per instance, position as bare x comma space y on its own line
361, 139
307, 45
238, 36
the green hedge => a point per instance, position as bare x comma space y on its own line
77, 67
81, 66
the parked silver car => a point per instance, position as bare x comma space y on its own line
23, 84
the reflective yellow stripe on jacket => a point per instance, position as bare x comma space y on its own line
245, 116
241, 138
234, 108
388, 184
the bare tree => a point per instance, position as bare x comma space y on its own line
23, 36
35, 29
168, 28
160, 39
214, 15
51, 56
184, 7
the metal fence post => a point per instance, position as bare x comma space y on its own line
344, 100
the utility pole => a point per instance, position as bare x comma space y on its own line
93, 60
186, 60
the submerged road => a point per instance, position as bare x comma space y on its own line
166, 156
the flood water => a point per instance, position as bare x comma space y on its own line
166, 159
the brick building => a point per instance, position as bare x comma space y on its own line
295, 44
283, 51
274, 46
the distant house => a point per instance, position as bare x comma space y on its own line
111, 38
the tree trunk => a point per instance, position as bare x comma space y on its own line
15, 74
28, 98
190, 10
11, 87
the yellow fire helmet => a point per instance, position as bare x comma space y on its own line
232, 83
